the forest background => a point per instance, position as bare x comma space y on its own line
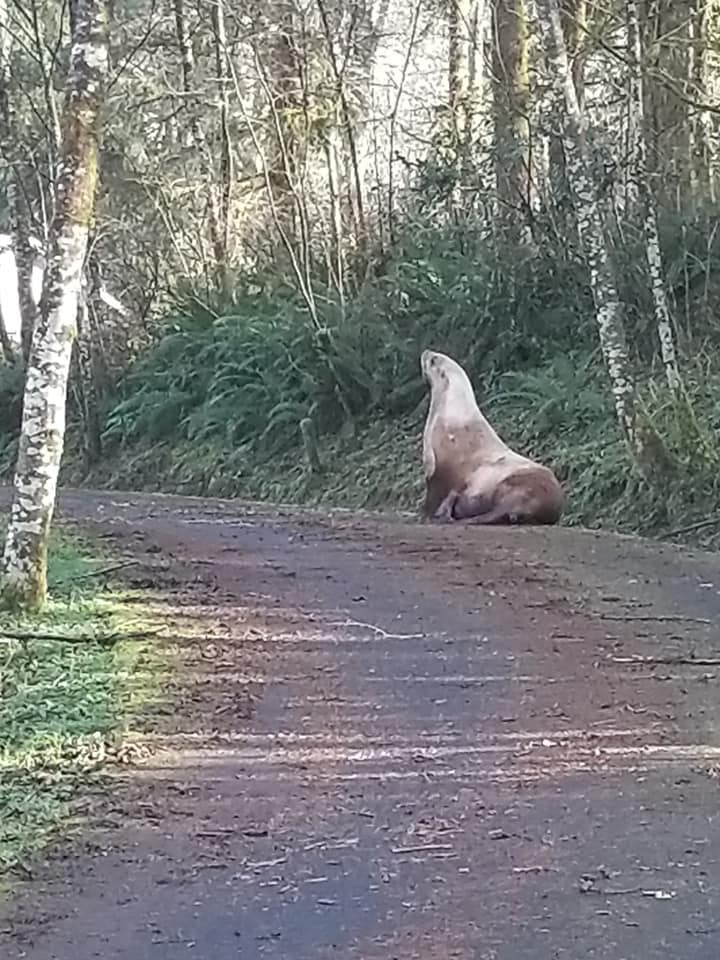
296, 198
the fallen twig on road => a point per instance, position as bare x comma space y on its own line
423, 848
627, 891
670, 661
660, 618
378, 630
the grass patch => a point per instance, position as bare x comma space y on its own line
64, 707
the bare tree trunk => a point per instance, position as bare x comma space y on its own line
357, 196
393, 122
26, 253
217, 234
574, 19
25, 249
701, 161
512, 107
464, 18
6, 344
9, 304
24, 568
574, 16
647, 201
286, 89
86, 380
226, 154
609, 310
10, 349
336, 256
669, 53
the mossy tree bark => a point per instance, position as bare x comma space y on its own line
24, 566
512, 109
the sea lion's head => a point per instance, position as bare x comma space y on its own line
430, 364
438, 368
449, 386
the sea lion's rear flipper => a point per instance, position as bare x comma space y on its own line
498, 514
470, 507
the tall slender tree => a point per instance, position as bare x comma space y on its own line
608, 306
465, 20
511, 86
700, 74
24, 566
215, 208
646, 197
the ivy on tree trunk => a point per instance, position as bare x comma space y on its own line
24, 567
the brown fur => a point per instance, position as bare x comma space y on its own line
470, 473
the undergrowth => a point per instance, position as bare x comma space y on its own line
65, 705
560, 413
215, 406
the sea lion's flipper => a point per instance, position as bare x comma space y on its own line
496, 515
468, 507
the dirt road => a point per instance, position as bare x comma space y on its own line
400, 741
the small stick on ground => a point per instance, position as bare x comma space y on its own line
424, 848
642, 618
101, 572
670, 661
378, 630
103, 640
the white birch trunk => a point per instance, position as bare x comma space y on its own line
647, 201
608, 308
24, 581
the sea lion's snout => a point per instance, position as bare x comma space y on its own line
426, 358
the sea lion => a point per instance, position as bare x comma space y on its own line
470, 473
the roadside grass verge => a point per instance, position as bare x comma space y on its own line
67, 705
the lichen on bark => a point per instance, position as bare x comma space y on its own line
24, 575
